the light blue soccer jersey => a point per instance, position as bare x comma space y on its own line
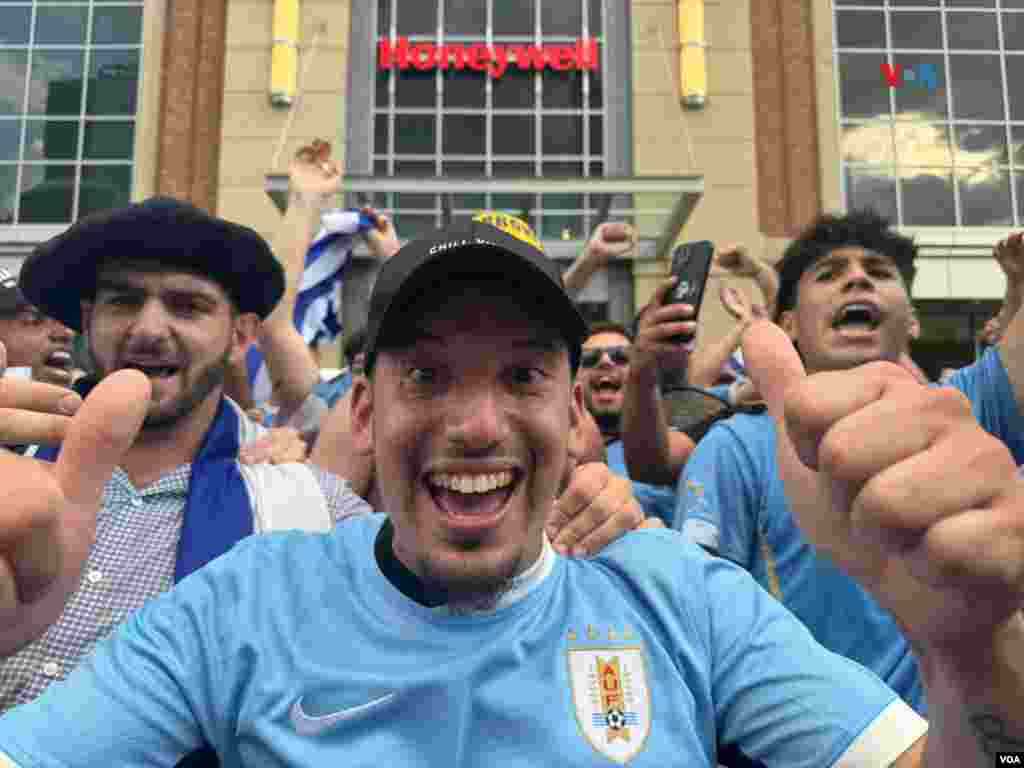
987, 386
732, 501
294, 649
656, 500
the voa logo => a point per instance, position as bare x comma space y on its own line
1005, 759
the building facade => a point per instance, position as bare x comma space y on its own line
910, 106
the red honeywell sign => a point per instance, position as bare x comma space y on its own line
495, 59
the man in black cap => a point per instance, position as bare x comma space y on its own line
450, 633
165, 290
32, 339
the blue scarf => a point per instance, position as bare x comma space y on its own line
218, 511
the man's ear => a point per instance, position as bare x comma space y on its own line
361, 418
243, 334
577, 437
787, 321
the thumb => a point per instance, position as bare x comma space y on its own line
663, 291
100, 434
774, 366
773, 363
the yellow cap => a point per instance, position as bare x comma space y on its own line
510, 225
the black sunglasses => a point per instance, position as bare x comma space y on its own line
591, 357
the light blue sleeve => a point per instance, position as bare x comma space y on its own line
781, 698
718, 498
146, 696
987, 385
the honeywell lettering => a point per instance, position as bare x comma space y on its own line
494, 59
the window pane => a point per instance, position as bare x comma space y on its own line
859, 85
61, 25
1013, 31
13, 66
465, 89
465, 17
51, 140
465, 135
56, 83
463, 169
518, 205
8, 187
985, 198
926, 93
384, 18
933, 3
113, 83
1015, 86
923, 144
1017, 143
117, 26
512, 169
928, 197
1019, 184
860, 29
972, 31
14, 24
563, 135
381, 132
381, 96
415, 89
977, 84
562, 90
47, 194
970, 3
868, 143
595, 18
596, 135
379, 200
873, 188
513, 135
411, 200
561, 17
413, 225
567, 202
10, 139
514, 18
415, 135
916, 30
417, 18
981, 145
109, 140
596, 89
515, 90
104, 187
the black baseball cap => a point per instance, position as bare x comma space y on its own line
491, 245
11, 300
61, 272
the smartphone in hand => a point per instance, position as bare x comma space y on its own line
691, 266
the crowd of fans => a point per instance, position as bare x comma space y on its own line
843, 554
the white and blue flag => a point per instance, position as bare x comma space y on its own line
318, 305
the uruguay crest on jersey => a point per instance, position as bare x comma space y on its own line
611, 698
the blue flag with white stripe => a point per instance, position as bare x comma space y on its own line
317, 306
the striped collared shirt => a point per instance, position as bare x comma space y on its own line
131, 561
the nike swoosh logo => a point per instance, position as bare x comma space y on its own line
307, 725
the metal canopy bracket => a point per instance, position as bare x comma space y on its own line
659, 206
